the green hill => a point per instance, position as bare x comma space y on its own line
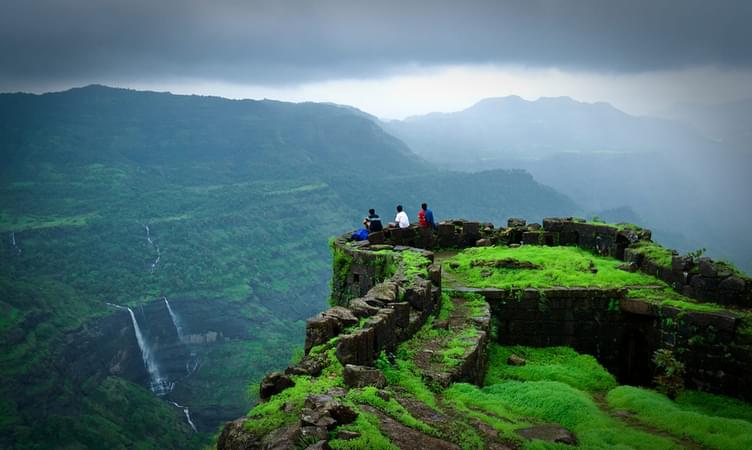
239, 198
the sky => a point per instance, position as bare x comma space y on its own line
390, 58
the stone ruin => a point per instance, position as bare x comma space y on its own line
621, 332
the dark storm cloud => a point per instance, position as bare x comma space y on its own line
294, 41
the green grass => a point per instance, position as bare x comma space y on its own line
552, 401
414, 265
668, 297
654, 252
715, 405
447, 306
687, 419
406, 375
391, 407
370, 437
552, 364
560, 267
271, 415
457, 346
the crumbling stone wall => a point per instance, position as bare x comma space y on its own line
393, 309
622, 333
700, 278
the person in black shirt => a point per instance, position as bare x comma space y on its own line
373, 221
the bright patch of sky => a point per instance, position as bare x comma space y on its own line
453, 88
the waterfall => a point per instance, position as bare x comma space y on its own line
151, 243
13, 242
148, 234
175, 321
156, 261
158, 384
187, 415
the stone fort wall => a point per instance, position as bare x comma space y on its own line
622, 333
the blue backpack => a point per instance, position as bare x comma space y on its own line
360, 235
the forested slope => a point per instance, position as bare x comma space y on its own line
224, 207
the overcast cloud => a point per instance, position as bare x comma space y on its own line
289, 46
297, 41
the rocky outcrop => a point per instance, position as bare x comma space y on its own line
361, 376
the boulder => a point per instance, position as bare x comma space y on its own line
707, 268
361, 308
419, 294
274, 383
345, 317
311, 433
681, 263
401, 314
515, 222
434, 274
483, 242
320, 445
234, 436
282, 438
309, 365
733, 284
361, 376
357, 347
316, 418
327, 404
320, 329
377, 237
553, 224
385, 292
515, 360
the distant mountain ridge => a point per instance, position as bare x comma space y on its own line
522, 129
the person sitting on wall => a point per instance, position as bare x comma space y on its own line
425, 217
373, 221
401, 220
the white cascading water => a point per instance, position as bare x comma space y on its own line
175, 320
187, 415
13, 242
156, 261
158, 384
159, 255
148, 234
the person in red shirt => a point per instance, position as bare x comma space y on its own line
425, 217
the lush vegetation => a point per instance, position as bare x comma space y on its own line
552, 364
555, 385
706, 427
654, 252
558, 385
239, 196
553, 267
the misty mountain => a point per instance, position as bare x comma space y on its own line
495, 130
728, 123
113, 196
669, 173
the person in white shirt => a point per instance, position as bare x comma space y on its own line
401, 220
